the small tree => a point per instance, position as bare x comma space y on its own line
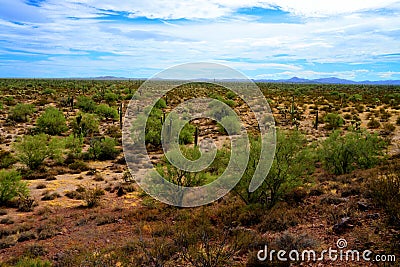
20, 112
102, 149
52, 122
107, 112
33, 150
86, 104
333, 121
181, 177
291, 162
11, 186
341, 154
74, 145
110, 98
85, 124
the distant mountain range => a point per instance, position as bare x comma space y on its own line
330, 80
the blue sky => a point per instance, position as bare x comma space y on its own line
276, 39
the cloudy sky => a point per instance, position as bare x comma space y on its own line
352, 39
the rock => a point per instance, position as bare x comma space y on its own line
345, 224
362, 206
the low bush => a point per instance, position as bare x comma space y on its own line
110, 98
6, 159
107, 112
102, 149
292, 161
86, 104
26, 203
385, 191
91, 196
52, 122
333, 121
11, 186
85, 124
342, 153
373, 124
79, 165
27, 262
20, 112
33, 150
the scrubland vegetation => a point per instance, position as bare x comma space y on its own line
68, 199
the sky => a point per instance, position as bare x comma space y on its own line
272, 39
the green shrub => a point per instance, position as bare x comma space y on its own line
27, 262
48, 91
160, 104
389, 127
20, 112
86, 104
106, 112
26, 203
79, 166
340, 154
181, 177
85, 124
333, 121
11, 186
292, 161
110, 98
52, 122
154, 124
230, 95
153, 128
103, 149
229, 102
91, 196
33, 150
186, 135
74, 145
6, 159
356, 97
373, 124
9, 100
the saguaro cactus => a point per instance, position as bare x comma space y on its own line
120, 115
72, 103
196, 136
292, 111
316, 121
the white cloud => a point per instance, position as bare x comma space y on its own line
341, 36
388, 74
211, 9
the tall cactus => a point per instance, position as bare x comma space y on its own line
120, 115
72, 103
196, 136
316, 121
292, 111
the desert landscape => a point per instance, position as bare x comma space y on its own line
67, 197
